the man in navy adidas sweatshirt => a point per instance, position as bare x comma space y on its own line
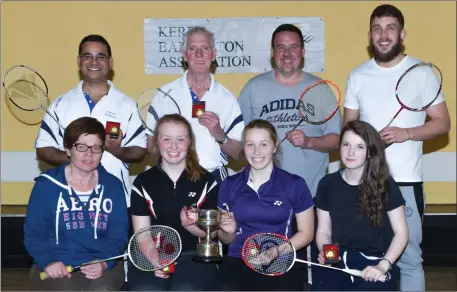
66, 226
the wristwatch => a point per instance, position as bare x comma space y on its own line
224, 140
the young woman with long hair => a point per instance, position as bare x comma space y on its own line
265, 198
360, 207
162, 195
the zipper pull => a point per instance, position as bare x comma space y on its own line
175, 185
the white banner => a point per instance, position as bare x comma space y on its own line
243, 44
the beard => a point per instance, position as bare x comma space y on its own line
385, 57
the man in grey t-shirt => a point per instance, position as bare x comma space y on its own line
274, 95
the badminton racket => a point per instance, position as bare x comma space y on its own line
153, 104
318, 103
151, 248
274, 255
417, 88
26, 89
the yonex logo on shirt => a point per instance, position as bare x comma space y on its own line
192, 194
277, 203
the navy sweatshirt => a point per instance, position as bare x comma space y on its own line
60, 228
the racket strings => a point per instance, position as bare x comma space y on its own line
319, 102
153, 103
419, 87
268, 254
152, 249
25, 88
144, 104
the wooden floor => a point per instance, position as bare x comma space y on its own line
437, 279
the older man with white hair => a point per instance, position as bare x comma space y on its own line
218, 124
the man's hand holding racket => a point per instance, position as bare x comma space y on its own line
395, 135
317, 104
298, 139
416, 90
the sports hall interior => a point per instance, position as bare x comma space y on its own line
45, 36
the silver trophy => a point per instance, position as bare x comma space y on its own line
208, 250
208, 221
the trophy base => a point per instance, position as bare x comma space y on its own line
207, 259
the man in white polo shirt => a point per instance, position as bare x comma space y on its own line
95, 96
370, 97
219, 124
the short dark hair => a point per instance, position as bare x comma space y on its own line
83, 126
386, 10
287, 27
94, 38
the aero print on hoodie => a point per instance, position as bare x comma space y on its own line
60, 228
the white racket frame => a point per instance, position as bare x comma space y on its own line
166, 94
46, 93
352, 272
44, 275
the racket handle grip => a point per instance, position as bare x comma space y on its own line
44, 275
353, 272
358, 273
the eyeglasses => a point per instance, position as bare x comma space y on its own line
98, 57
83, 148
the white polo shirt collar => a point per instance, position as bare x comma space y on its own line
183, 82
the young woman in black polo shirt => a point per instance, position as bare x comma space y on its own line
361, 208
162, 195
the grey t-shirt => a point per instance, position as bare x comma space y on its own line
264, 98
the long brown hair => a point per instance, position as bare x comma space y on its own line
192, 164
374, 183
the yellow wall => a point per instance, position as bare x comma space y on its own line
45, 36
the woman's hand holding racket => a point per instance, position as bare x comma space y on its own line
94, 271
151, 248
374, 274
273, 255
57, 270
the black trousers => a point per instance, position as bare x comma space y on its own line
235, 275
188, 276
